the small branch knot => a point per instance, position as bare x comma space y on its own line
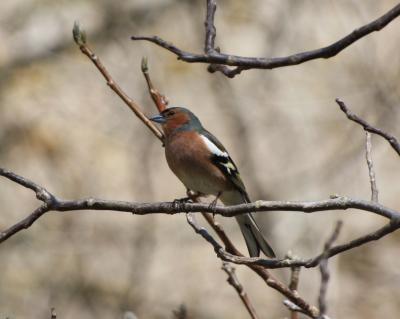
45, 196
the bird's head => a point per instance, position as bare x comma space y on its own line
177, 119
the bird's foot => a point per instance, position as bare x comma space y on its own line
179, 202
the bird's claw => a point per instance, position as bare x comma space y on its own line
179, 202
183, 200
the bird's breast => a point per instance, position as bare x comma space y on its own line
190, 160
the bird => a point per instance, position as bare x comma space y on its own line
204, 166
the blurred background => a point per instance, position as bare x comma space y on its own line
61, 126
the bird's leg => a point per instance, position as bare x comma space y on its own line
213, 204
193, 195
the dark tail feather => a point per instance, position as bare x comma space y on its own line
255, 241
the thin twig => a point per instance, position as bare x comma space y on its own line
80, 40
323, 266
241, 63
294, 283
371, 172
369, 128
159, 100
234, 282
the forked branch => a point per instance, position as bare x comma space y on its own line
219, 61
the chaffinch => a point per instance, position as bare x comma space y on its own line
203, 165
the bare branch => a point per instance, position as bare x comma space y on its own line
371, 172
335, 203
241, 63
260, 270
41, 193
80, 40
369, 128
287, 262
53, 203
24, 223
234, 282
323, 266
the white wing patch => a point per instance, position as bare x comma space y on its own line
225, 160
213, 148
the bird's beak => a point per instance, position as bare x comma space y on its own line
158, 119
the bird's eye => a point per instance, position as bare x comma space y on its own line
171, 113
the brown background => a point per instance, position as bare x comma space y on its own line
62, 127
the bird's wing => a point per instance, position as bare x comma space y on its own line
220, 157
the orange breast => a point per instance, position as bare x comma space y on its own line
189, 159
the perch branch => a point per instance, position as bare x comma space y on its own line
218, 60
53, 203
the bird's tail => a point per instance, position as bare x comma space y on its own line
254, 239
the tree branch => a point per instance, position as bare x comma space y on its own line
53, 203
289, 262
213, 57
